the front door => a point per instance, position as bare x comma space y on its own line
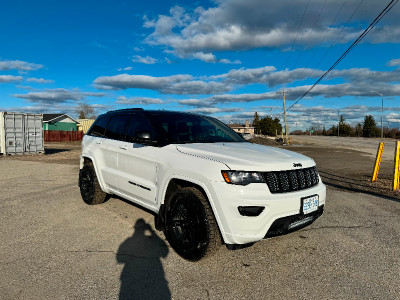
137, 164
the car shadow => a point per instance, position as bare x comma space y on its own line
54, 150
143, 275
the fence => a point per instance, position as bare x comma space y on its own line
62, 136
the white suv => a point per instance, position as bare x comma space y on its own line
204, 182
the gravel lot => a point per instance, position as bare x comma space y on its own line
56, 247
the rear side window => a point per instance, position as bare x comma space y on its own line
117, 127
99, 126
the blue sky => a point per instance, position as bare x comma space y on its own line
227, 59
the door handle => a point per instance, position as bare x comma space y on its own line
123, 148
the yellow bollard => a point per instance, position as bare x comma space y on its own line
396, 167
378, 162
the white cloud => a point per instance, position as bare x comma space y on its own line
241, 25
125, 69
19, 65
356, 82
394, 62
211, 58
138, 100
43, 108
227, 61
206, 57
40, 80
52, 96
215, 110
176, 84
125, 81
303, 117
366, 76
9, 78
325, 91
144, 60
393, 118
230, 98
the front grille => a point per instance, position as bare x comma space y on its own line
292, 180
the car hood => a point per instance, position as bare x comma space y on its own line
247, 156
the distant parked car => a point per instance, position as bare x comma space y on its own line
205, 183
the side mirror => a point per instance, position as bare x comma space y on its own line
143, 136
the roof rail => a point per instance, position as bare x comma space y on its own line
126, 109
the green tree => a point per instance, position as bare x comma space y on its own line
369, 127
358, 130
256, 122
269, 126
344, 128
333, 130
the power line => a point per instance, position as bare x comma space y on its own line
326, 34
339, 35
297, 33
330, 28
309, 33
355, 43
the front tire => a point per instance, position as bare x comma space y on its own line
91, 191
190, 226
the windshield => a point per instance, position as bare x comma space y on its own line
188, 128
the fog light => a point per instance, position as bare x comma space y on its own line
250, 211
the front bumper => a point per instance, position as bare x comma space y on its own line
292, 223
280, 213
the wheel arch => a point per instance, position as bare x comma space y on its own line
176, 183
85, 160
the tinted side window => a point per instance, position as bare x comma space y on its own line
140, 123
99, 127
116, 128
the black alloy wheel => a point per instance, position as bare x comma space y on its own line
91, 191
190, 227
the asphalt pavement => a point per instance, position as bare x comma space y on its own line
53, 246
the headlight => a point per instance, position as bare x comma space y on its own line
241, 177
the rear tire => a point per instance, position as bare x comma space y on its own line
190, 226
91, 191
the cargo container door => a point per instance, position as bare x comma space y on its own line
33, 134
13, 132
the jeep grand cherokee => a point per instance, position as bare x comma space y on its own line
204, 182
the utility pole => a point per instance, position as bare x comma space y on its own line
284, 111
338, 125
271, 112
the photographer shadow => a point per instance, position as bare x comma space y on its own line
143, 275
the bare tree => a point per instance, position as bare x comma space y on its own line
85, 110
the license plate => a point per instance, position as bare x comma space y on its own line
309, 204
